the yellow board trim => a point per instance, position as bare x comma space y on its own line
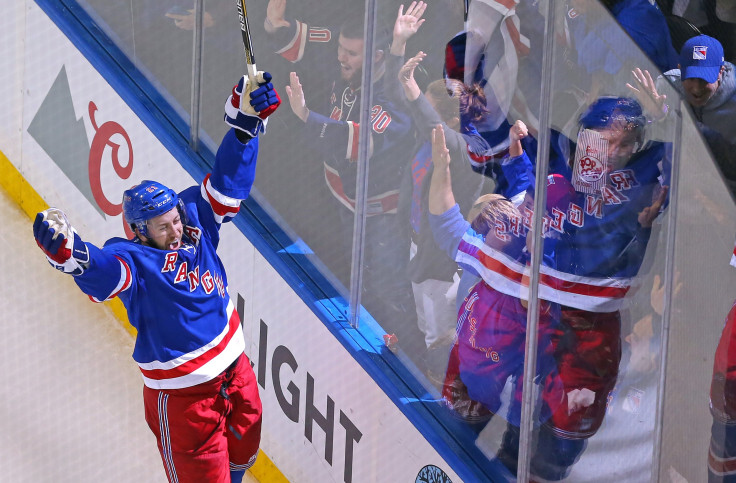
31, 203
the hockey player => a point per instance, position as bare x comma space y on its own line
200, 394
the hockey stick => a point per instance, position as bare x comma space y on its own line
250, 61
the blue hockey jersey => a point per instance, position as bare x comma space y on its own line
188, 329
599, 245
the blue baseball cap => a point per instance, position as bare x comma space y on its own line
701, 57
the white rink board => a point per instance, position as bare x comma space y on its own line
389, 447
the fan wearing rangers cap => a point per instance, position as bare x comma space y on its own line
200, 393
704, 77
708, 84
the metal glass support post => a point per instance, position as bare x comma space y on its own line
529, 395
196, 73
669, 275
356, 262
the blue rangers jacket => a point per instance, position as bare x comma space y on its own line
188, 329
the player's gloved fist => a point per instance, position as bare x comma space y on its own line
262, 100
63, 247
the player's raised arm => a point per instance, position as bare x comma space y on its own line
246, 111
517, 168
248, 107
441, 197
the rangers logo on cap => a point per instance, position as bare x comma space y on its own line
700, 52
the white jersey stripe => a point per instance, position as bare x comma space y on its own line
158, 365
124, 284
509, 277
223, 206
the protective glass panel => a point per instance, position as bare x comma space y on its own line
458, 241
605, 242
157, 38
298, 45
699, 299
223, 61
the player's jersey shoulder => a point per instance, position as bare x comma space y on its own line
119, 243
122, 246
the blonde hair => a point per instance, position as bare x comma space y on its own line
488, 209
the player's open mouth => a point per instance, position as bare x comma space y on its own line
175, 245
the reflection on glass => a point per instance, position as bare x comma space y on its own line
604, 236
596, 236
466, 329
493, 251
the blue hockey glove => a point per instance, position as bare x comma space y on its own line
251, 117
63, 247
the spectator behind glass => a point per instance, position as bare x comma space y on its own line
456, 107
706, 81
330, 126
708, 84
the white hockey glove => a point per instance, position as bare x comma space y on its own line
63, 247
251, 117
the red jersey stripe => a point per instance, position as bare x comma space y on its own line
193, 364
